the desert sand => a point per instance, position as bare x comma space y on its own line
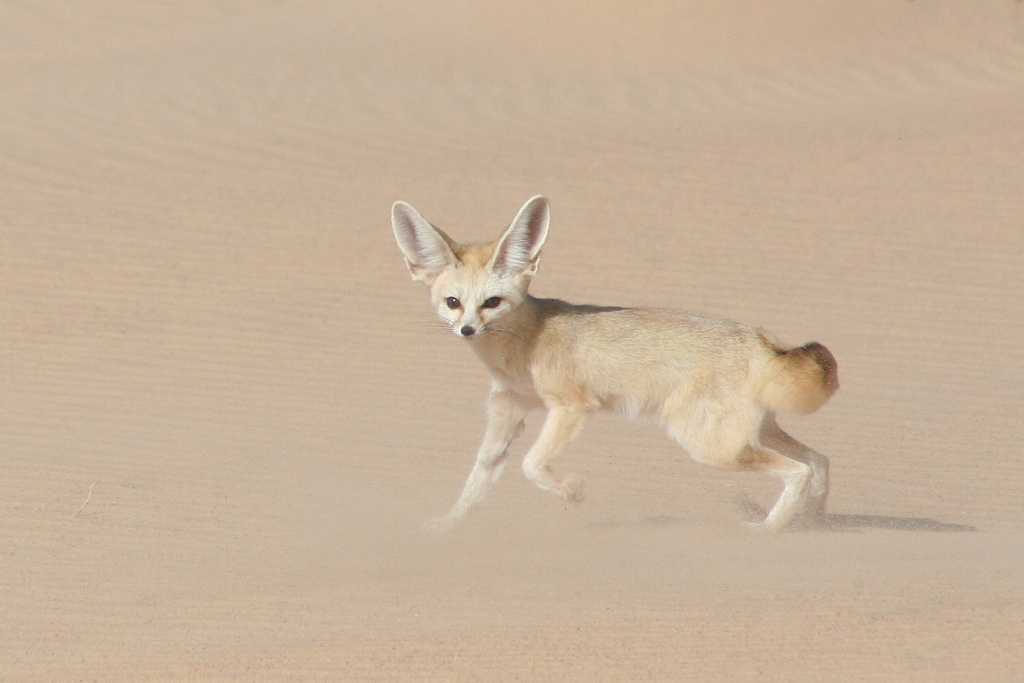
226, 410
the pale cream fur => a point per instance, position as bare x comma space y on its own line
715, 384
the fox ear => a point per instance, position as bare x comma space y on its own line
519, 248
427, 250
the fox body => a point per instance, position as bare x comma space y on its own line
715, 384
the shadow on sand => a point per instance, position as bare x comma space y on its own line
829, 522
842, 522
837, 522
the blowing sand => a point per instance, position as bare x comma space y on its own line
225, 409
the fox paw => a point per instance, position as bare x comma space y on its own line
572, 489
438, 525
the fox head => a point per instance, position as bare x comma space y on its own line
473, 286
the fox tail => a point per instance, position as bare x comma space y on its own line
799, 380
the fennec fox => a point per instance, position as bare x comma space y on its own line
716, 385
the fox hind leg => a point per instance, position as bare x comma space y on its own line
795, 475
730, 439
773, 437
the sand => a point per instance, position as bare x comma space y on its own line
226, 410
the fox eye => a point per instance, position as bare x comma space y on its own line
493, 302
452, 302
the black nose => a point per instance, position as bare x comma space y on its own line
467, 331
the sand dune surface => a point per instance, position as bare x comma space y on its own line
226, 411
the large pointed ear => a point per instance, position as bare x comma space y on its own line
518, 250
427, 250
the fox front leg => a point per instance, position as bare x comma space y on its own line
561, 427
505, 413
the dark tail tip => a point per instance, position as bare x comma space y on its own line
824, 359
